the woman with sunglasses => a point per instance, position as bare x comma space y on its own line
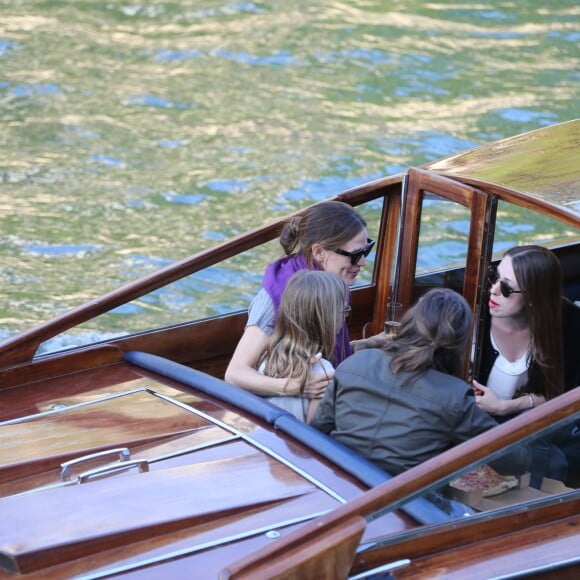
330, 236
523, 362
530, 349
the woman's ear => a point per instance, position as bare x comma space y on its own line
318, 254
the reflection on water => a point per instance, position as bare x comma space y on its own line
136, 134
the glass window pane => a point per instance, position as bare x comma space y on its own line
520, 226
443, 243
222, 288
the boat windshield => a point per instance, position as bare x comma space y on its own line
530, 471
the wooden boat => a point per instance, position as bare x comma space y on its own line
132, 457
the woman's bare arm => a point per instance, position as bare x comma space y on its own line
492, 404
242, 370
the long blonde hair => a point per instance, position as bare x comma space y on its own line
311, 313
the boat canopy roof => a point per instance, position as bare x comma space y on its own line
544, 163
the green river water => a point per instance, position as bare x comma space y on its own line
134, 134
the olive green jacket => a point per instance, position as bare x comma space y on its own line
396, 427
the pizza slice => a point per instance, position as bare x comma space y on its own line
485, 480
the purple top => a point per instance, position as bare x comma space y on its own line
278, 274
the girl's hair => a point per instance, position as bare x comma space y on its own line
330, 224
538, 273
310, 315
434, 334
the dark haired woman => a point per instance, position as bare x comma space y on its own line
329, 236
527, 357
404, 404
530, 350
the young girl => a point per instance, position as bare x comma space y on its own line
311, 312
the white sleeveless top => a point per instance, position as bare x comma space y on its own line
507, 378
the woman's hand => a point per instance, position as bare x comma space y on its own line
379, 340
488, 401
316, 387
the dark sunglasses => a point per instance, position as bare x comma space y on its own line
356, 256
505, 289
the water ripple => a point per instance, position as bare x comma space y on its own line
135, 134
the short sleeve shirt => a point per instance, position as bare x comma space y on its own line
262, 313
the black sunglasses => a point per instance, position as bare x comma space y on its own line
505, 289
356, 256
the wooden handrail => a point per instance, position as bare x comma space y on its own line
22, 347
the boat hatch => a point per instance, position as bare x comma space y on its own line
83, 477
112, 431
